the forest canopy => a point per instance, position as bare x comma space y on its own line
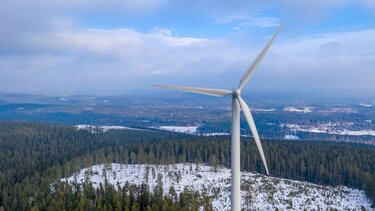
33, 156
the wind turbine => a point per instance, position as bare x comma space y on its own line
237, 103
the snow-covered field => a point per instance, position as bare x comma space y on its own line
357, 132
303, 110
365, 105
95, 129
291, 137
329, 128
259, 192
180, 129
216, 134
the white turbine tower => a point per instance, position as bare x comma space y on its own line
237, 103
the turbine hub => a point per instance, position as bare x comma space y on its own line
236, 93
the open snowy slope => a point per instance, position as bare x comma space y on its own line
258, 191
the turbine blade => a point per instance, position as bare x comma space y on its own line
249, 72
246, 110
205, 91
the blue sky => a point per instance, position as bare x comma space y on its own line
117, 47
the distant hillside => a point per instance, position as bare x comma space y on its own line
344, 120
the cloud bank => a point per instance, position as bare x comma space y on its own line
48, 48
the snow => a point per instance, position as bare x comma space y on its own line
107, 128
84, 127
223, 134
88, 108
365, 105
268, 193
291, 137
94, 129
293, 109
357, 132
180, 129
329, 128
216, 134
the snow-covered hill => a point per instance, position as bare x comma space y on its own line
258, 191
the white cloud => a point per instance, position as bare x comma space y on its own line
333, 61
249, 20
94, 5
73, 59
116, 41
103, 60
157, 72
48, 50
162, 31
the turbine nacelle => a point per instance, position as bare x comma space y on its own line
236, 93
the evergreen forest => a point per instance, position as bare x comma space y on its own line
34, 156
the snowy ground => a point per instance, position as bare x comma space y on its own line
265, 193
291, 137
180, 129
95, 129
329, 128
303, 110
216, 134
365, 105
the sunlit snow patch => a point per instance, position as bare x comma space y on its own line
103, 129
265, 109
365, 105
216, 134
180, 129
329, 128
291, 137
293, 109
